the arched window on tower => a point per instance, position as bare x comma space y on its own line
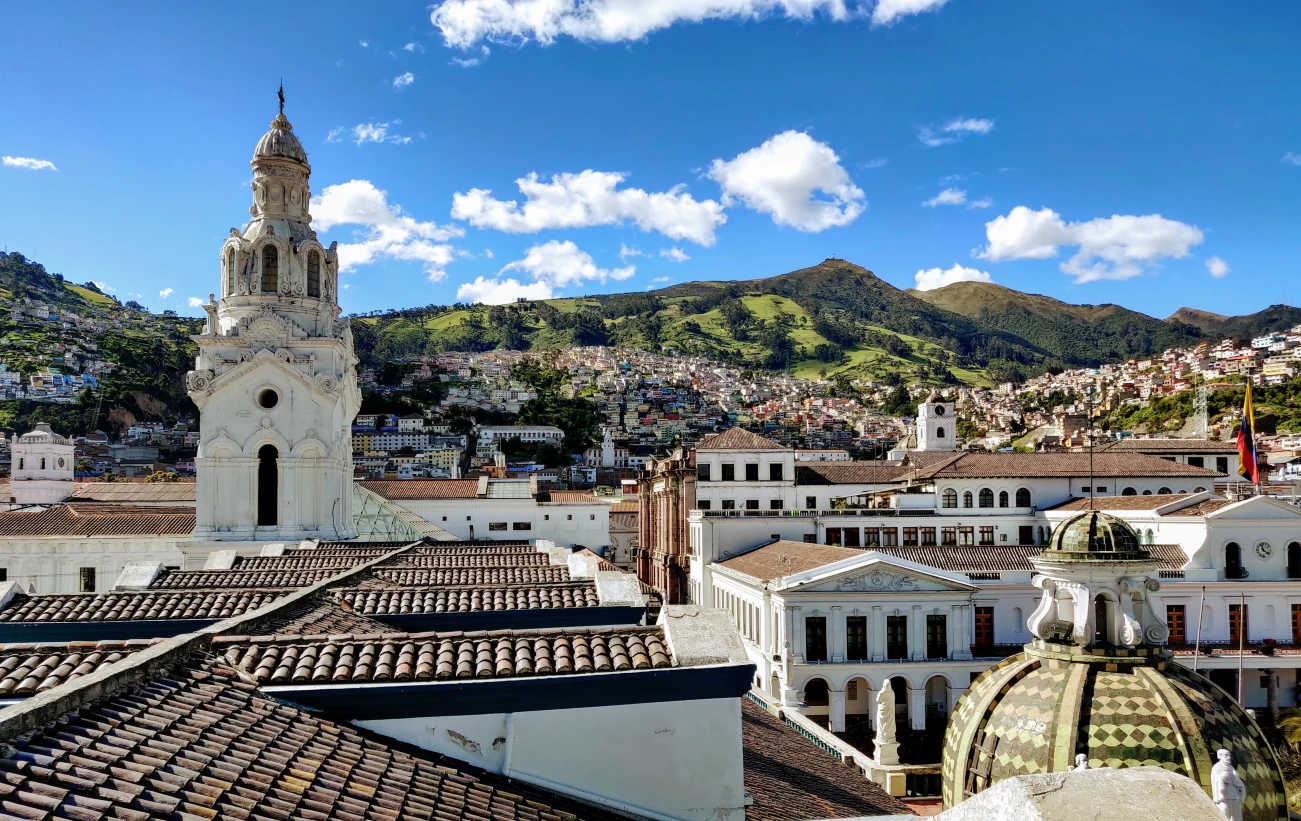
270, 270
230, 271
1294, 560
267, 491
939, 432
314, 275
1233, 568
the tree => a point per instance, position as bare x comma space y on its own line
899, 403
160, 476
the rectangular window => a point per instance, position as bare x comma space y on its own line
4, 573
949, 536
833, 535
1222, 464
1296, 625
751, 504
775, 472
984, 626
1239, 632
1100, 489
851, 537
928, 537
910, 537
1196, 461
496, 525
889, 537
851, 690
986, 535
703, 504
521, 526
702, 473
86, 579
810, 538
774, 504
872, 536
896, 637
856, 638
815, 638
810, 502
937, 637
1174, 619
752, 473
966, 536
729, 473
729, 504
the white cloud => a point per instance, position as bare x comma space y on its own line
487, 252
1116, 247
983, 202
675, 253
166, 293
413, 47
195, 302
363, 43
626, 251
781, 177
103, 286
465, 23
471, 62
29, 163
662, 280
949, 196
404, 80
932, 278
335, 135
385, 232
1291, 158
879, 162
888, 11
498, 291
1217, 267
953, 131
590, 198
371, 133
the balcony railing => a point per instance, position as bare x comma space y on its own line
811, 514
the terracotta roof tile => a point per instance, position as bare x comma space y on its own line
471, 559
1106, 465
27, 669
1124, 502
625, 507
433, 656
418, 489
94, 519
790, 778
308, 560
433, 577
181, 604
784, 557
1171, 446
572, 497
1202, 508
737, 439
850, 473
198, 744
318, 616
227, 579
396, 602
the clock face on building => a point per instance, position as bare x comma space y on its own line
1264, 550
939, 410
60, 461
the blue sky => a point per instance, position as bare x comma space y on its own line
1139, 153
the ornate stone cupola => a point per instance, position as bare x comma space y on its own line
275, 380
1097, 683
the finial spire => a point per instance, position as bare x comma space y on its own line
281, 95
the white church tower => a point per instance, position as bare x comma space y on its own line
275, 379
937, 424
42, 467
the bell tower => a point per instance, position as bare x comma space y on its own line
936, 424
275, 379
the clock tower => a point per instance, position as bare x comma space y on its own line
275, 379
937, 424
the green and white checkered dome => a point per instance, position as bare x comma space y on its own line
1095, 536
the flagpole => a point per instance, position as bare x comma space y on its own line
1197, 648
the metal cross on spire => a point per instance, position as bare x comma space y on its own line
281, 95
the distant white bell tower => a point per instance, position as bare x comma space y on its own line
937, 424
607, 450
275, 379
41, 472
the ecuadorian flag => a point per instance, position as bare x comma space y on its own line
1247, 464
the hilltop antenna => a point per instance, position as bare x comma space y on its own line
1201, 416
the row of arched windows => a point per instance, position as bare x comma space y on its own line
949, 498
271, 272
1163, 491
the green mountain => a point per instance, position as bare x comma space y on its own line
1273, 318
151, 352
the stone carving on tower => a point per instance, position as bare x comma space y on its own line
275, 379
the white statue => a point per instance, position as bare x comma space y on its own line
1081, 763
885, 728
1227, 790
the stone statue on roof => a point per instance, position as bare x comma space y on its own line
1227, 788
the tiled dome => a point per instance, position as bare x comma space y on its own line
1034, 712
1094, 536
280, 142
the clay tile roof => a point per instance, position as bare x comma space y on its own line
400, 601
227, 579
1202, 508
737, 439
1125, 502
200, 744
93, 519
1106, 465
135, 492
27, 669
477, 576
354, 659
572, 497
784, 557
790, 778
306, 560
454, 559
320, 616
624, 507
148, 605
1172, 446
850, 473
424, 489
